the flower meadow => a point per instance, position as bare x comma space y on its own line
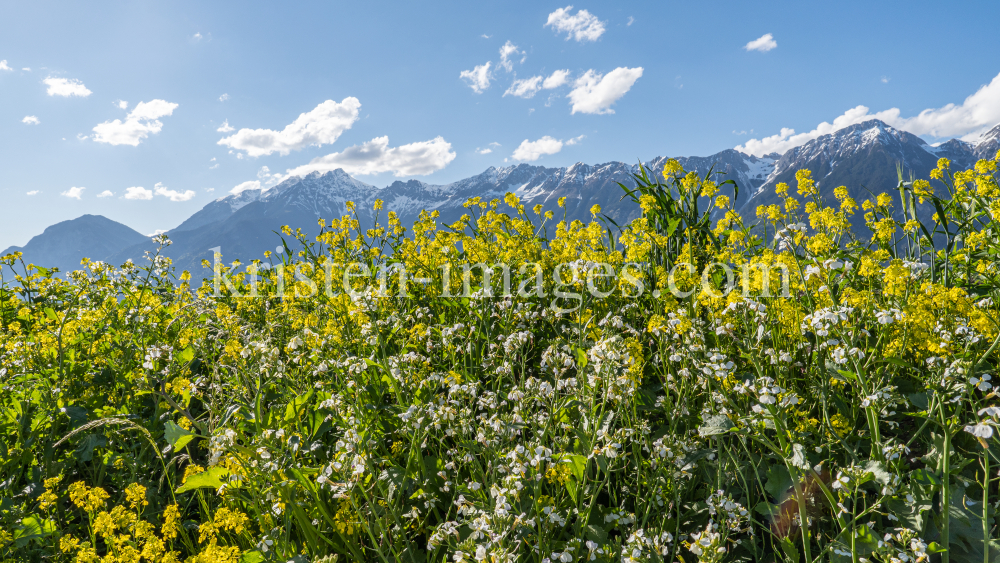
516, 387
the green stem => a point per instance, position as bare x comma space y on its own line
986, 506
946, 488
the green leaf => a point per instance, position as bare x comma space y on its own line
578, 465
210, 479
779, 482
51, 314
714, 425
918, 399
32, 528
878, 472
186, 355
85, 450
799, 458
292, 410
791, 551
177, 436
252, 557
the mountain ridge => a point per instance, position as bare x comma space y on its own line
862, 157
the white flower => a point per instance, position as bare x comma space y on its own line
982, 382
990, 411
980, 430
842, 481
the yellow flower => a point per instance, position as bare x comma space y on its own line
231, 520
171, 522
90, 500
345, 520
135, 494
672, 167
191, 470
595, 210
722, 201
561, 202
807, 186
49, 497
840, 424
922, 189
558, 474
105, 525
67, 544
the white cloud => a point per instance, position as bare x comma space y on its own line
73, 193
489, 148
556, 79
4, 66
506, 52
974, 116
593, 93
26, 69
484, 36
525, 87
478, 78
196, 37
138, 193
120, 104
30, 120
764, 43
33, 192
375, 156
173, 195
584, 26
575, 140
531, 151
225, 127
81, 137
321, 126
251, 185
106, 193
268, 179
65, 87
142, 121
885, 79
223, 97
631, 21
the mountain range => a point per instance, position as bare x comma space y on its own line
863, 157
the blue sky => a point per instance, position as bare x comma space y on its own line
643, 79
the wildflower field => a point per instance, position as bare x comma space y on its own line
515, 388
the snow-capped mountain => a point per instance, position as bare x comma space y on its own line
862, 157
